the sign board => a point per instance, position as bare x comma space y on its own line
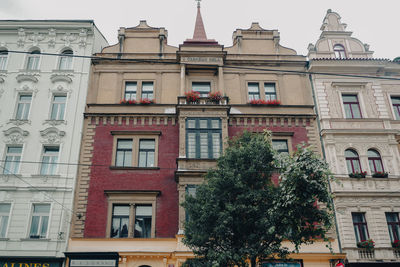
202, 60
30, 262
86, 263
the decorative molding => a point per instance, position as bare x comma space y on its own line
27, 89
2, 77
52, 135
21, 37
19, 122
52, 38
61, 76
28, 76
1, 90
68, 38
36, 38
15, 135
83, 38
55, 122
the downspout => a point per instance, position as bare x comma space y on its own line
324, 155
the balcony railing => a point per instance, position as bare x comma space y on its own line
182, 100
366, 254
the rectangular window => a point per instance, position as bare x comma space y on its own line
4, 217
32, 62
40, 221
23, 107
281, 146
147, 90
143, 214
123, 157
49, 160
270, 91
396, 107
203, 137
130, 90
254, 91
204, 88
12, 160
393, 222
146, 152
351, 107
3, 59
360, 226
120, 221
58, 107
190, 191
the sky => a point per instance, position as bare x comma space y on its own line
376, 23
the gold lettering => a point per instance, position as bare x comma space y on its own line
46, 265
12, 264
5, 265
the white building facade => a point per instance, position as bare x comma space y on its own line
42, 100
360, 126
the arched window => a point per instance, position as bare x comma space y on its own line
352, 161
3, 59
375, 161
339, 50
65, 62
32, 62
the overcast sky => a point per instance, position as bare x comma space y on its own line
374, 22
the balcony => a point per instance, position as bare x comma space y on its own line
203, 101
385, 254
368, 184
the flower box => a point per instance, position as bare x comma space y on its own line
357, 174
192, 96
214, 97
396, 243
380, 175
146, 101
367, 244
260, 102
127, 102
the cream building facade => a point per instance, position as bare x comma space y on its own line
42, 99
360, 127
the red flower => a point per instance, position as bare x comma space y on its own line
127, 102
146, 101
215, 96
192, 96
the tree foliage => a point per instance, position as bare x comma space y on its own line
240, 214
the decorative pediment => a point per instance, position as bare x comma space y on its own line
15, 135
52, 135
61, 76
26, 88
28, 76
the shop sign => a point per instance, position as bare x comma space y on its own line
28, 263
85, 263
202, 60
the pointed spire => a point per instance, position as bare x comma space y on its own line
199, 35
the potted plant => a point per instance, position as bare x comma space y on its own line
192, 96
273, 102
258, 102
380, 175
367, 244
358, 174
146, 101
396, 243
127, 102
214, 97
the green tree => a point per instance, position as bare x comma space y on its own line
240, 214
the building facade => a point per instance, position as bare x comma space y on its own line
42, 98
147, 143
359, 126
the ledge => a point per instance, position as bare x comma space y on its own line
134, 168
36, 239
135, 132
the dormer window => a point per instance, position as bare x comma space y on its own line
339, 50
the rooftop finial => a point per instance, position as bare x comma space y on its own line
198, 3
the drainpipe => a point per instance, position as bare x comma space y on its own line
324, 155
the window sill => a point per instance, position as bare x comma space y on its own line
55, 122
4, 239
45, 175
133, 168
36, 239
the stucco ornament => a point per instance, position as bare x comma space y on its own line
52, 135
27, 88
1, 91
83, 37
68, 38
28, 76
2, 77
21, 37
36, 38
52, 37
61, 77
15, 135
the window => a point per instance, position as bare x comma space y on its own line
120, 221
190, 191
49, 160
270, 91
204, 88
375, 161
254, 92
138, 150
203, 138
360, 226
146, 153
58, 107
147, 90
393, 222
23, 107
396, 107
33, 60
352, 161
65, 62
130, 90
3, 59
4, 217
281, 146
351, 106
12, 160
131, 214
40, 221
339, 50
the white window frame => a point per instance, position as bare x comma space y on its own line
3, 59
34, 56
9, 218
56, 164
391, 104
13, 163
23, 103
357, 92
40, 221
53, 102
69, 60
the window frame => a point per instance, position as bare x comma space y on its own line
143, 92
197, 131
55, 170
270, 94
350, 105
7, 226
281, 139
139, 88
66, 55
258, 94
58, 109
351, 159
21, 102
135, 137
147, 151
261, 89
339, 53
13, 161
374, 159
132, 199
40, 221
34, 55
359, 225
204, 82
395, 107
3, 59
130, 92
393, 234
